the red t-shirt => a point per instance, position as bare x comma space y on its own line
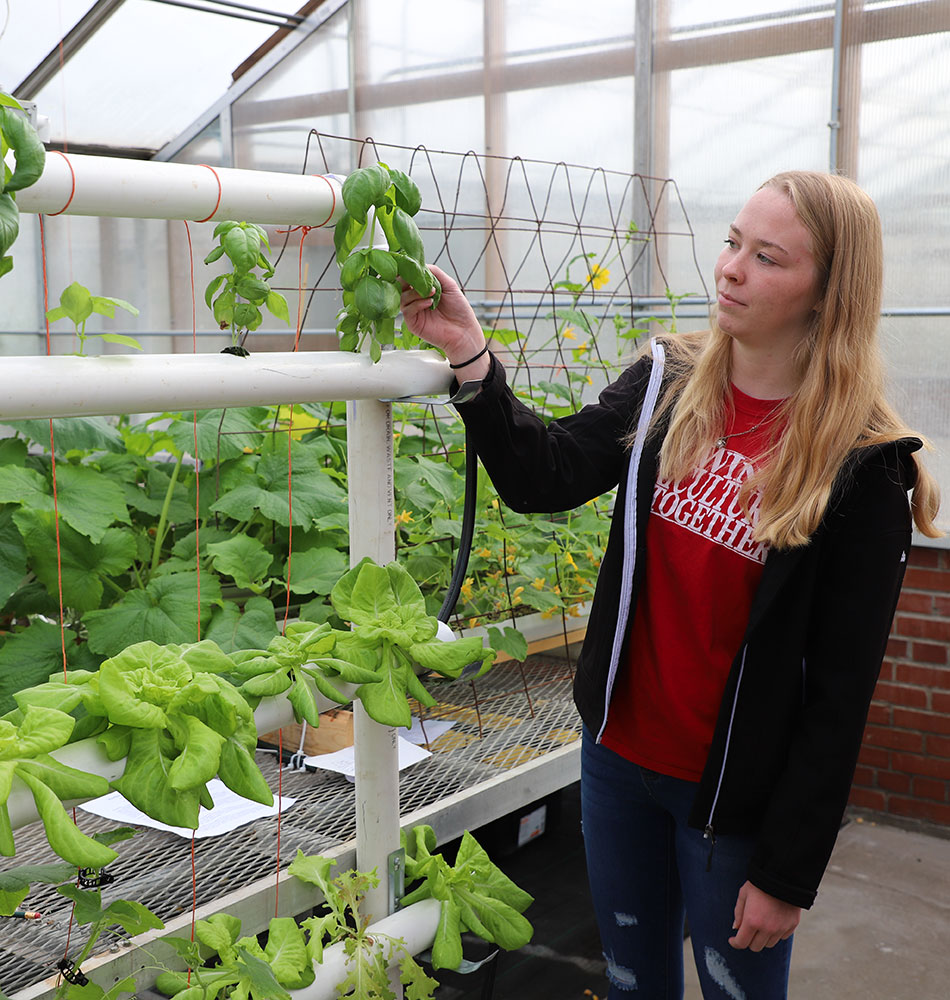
702, 569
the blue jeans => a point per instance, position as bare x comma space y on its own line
648, 871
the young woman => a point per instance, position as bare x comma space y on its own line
756, 552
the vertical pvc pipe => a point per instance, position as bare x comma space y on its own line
372, 533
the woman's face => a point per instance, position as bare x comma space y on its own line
766, 278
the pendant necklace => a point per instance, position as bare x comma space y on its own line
721, 441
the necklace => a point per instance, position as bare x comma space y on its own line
721, 441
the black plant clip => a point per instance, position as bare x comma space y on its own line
71, 973
94, 878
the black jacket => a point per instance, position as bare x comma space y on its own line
793, 712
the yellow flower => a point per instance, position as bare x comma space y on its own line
569, 559
516, 595
473, 623
599, 276
568, 333
404, 517
484, 553
467, 588
588, 380
538, 583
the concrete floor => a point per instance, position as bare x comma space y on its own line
880, 928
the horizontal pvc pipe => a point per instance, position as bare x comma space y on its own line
70, 386
74, 184
416, 925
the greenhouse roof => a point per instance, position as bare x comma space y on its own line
126, 76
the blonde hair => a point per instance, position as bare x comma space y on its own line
840, 402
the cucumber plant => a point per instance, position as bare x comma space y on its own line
77, 304
370, 276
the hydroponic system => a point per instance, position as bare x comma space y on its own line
78, 386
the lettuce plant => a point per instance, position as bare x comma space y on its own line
25, 756
475, 894
392, 634
176, 720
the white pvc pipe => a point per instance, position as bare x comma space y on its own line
73, 184
369, 437
70, 386
416, 925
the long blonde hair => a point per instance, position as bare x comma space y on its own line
840, 402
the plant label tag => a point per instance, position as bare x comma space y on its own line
532, 825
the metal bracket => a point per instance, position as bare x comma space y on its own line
396, 868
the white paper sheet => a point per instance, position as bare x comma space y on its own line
230, 811
434, 729
344, 761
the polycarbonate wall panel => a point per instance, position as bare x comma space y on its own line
904, 163
206, 147
700, 13
566, 123
537, 30
307, 90
734, 126
425, 38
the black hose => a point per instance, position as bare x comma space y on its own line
468, 532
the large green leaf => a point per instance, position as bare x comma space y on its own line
218, 440
146, 785
88, 501
13, 561
31, 656
82, 561
314, 493
29, 152
15, 882
241, 557
9, 224
42, 729
166, 611
24, 486
73, 434
315, 571
286, 953
253, 629
63, 835
242, 775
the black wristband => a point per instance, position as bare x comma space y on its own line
470, 360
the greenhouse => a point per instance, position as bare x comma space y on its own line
411, 411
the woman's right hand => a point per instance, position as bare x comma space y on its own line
452, 326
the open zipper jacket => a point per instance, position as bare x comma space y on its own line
793, 712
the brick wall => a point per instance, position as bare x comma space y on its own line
904, 767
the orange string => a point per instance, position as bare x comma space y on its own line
280, 777
218, 202
303, 235
52, 448
290, 510
72, 191
194, 349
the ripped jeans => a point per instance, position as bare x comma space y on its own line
647, 871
